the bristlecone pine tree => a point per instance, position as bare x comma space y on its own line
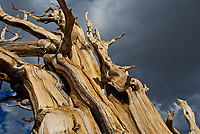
67, 94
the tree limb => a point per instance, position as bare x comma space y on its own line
16, 98
3, 33
27, 26
56, 15
29, 121
25, 13
35, 48
112, 74
169, 122
113, 40
16, 37
189, 116
21, 105
69, 22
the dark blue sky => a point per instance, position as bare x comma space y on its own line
162, 40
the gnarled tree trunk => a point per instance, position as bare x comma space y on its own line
67, 92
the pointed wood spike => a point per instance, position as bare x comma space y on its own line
113, 40
17, 16
169, 123
189, 116
129, 67
3, 33
168, 111
13, 6
146, 88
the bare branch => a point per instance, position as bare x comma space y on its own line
169, 123
25, 13
21, 105
65, 23
58, 33
33, 29
55, 5
113, 40
3, 33
189, 116
112, 74
16, 98
126, 68
31, 120
69, 22
35, 48
56, 15
89, 23
16, 37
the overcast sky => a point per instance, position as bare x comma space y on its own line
162, 39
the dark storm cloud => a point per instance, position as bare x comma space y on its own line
162, 39
167, 48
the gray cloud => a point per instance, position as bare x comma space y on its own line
162, 40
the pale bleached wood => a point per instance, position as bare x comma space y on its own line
117, 80
21, 105
16, 35
189, 116
34, 48
26, 14
55, 15
112, 74
78, 81
27, 26
51, 105
69, 23
169, 123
